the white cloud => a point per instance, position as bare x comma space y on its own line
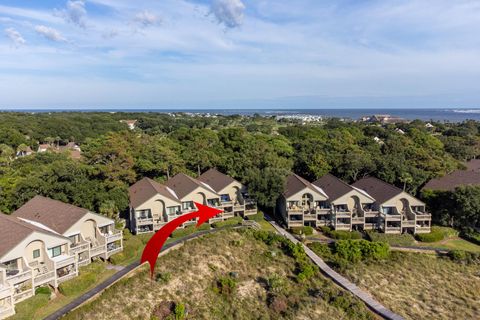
75, 13
15, 36
50, 33
147, 19
228, 12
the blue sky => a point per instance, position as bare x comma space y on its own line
239, 53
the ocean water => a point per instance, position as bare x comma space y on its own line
443, 115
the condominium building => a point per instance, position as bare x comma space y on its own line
152, 204
234, 197
367, 204
91, 235
303, 203
350, 207
399, 212
30, 257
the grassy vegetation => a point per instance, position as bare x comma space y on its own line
257, 217
39, 306
419, 286
132, 248
232, 274
229, 222
87, 277
392, 239
437, 234
341, 234
451, 244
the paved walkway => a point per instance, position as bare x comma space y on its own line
373, 304
117, 276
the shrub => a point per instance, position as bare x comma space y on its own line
306, 270
229, 222
226, 285
308, 231
163, 277
464, 256
345, 235
392, 239
256, 217
355, 251
276, 284
437, 234
179, 311
180, 233
296, 230
43, 290
471, 235
268, 237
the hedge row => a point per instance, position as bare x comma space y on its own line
256, 217
341, 234
355, 251
308, 231
392, 239
437, 234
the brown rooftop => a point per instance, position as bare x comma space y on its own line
296, 184
14, 231
216, 179
145, 189
380, 190
182, 185
53, 214
470, 176
332, 186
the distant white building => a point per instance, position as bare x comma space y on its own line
378, 140
398, 130
130, 123
428, 125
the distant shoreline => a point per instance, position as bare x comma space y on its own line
425, 114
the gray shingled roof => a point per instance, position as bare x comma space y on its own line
333, 187
182, 185
145, 189
14, 231
470, 176
54, 214
216, 179
295, 184
378, 189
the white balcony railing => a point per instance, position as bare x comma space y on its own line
117, 235
67, 277
95, 251
65, 262
21, 276
6, 311
5, 291
80, 247
20, 296
43, 278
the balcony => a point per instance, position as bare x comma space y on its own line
79, 247
310, 217
21, 295
343, 214
408, 223
96, 251
419, 229
43, 278
5, 291
393, 230
342, 226
423, 216
227, 203
115, 236
358, 220
112, 249
369, 226
66, 277
17, 276
63, 261
371, 214
295, 223
295, 210
6, 311
144, 221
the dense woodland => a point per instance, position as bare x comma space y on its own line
259, 151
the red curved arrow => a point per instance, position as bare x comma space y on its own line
155, 244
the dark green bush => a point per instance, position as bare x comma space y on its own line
471, 235
225, 285
229, 222
43, 290
345, 235
435, 235
358, 250
464, 256
392, 239
256, 217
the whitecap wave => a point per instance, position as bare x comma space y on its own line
466, 110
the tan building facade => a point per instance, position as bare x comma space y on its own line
368, 204
152, 204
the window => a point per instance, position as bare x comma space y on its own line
388, 210
225, 197
75, 239
187, 205
171, 211
55, 251
36, 253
